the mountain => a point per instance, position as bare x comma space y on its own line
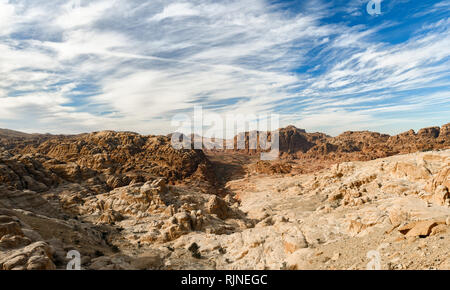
10, 139
360, 145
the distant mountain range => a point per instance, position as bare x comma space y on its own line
296, 143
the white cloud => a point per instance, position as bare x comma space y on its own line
74, 15
176, 10
7, 17
129, 65
81, 42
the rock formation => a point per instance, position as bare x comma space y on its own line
126, 201
363, 145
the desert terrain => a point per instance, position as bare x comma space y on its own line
127, 201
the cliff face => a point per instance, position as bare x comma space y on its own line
123, 153
107, 160
364, 145
104, 160
71, 192
127, 201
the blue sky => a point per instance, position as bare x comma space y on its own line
78, 66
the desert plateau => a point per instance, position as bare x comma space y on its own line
127, 201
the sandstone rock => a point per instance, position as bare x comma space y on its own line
431, 132
398, 216
184, 221
412, 171
416, 229
355, 227
110, 217
299, 260
32, 257
11, 228
441, 195
116, 262
147, 262
265, 167
122, 154
123, 262
445, 131
445, 265
34, 185
294, 243
15, 262
161, 184
336, 256
6, 219
12, 241
40, 262
441, 228
318, 147
109, 192
441, 179
218, 207
25, 172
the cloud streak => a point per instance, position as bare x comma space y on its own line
132, 65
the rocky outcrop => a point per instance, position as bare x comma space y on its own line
18, 248
154, 212
126, 201
126, 156
363, 145
25, 172
16, 141
271, 168
151, 261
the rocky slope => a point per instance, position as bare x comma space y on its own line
302, 152
398, 206
127, 201
10, 139
65, 182
101, 161
363, 145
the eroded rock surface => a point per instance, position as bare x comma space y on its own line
126, 201
333, 218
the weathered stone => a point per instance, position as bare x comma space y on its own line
11, 228
416, 229
299, 260
218, 207
441, 195
294, 243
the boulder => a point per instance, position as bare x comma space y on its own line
441, 196
217, 206
419, 228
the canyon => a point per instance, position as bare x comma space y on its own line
128, 201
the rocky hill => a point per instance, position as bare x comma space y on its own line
66, 192
6, 133
362, 145
10, 139
398, 207
105, 159
127, 201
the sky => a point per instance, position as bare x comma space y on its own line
132, 65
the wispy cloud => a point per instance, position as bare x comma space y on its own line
132, 65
